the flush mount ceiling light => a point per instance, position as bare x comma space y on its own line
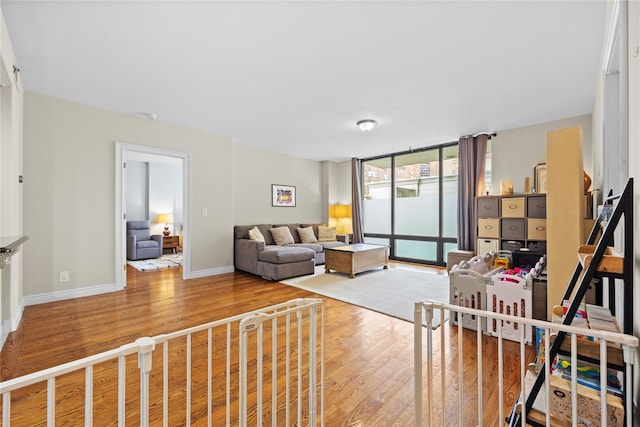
150, 116
366, 125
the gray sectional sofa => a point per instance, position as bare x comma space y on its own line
277, 262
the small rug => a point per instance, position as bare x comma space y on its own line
392, 292
165, 261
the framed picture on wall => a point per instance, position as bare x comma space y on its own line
283, 195
540, 178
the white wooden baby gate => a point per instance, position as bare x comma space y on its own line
464, 386
264, 367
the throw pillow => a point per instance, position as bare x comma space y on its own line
255, 234
282, 236
326, 234
306, 235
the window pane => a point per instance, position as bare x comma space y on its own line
448, 247
376, 241
405, 203
450, 191
416, 193
426, 251
376, 191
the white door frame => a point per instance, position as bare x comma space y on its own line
122, 149
615, 135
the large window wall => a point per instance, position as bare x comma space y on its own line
410, 203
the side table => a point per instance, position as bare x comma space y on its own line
346, 238
171, 242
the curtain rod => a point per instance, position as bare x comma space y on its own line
489, 134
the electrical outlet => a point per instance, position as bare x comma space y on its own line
205, 212
63, 276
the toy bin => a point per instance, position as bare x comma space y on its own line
468, 288
503, 258
512, 295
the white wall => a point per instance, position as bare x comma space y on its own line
339, 192
165, 196
69, 193
137, 191
153, 189
255, 170
515, 152
343, 190
11, 190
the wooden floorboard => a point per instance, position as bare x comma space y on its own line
369, 356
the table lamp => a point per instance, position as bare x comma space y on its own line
167, 219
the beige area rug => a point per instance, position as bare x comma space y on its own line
393, 291
165, 261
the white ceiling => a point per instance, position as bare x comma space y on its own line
295, 76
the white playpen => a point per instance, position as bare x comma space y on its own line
262, 367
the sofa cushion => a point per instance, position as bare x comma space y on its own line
317, 247
242, 232
140, 244
326, 234
293, 228
255, 234
283, 255
313, 226
282, 236
306, 235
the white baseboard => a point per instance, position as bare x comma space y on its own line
68, 294
15, 322
10, 325
211, 272
103, 289
5, 329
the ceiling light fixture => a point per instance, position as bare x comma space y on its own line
150, 116
366, 125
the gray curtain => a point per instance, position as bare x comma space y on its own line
471, 158
356, 202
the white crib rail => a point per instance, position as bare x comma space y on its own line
628, 343
309, 352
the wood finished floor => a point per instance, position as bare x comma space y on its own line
369, 356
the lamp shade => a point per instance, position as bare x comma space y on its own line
165, 218
340, 211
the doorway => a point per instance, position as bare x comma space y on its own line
131, 152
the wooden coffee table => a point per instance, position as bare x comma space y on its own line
356, 258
